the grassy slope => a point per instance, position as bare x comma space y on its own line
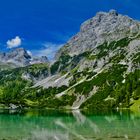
14, 89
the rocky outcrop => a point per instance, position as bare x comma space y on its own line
42, 59
103, 27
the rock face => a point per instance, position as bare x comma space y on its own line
19, 57
103, 27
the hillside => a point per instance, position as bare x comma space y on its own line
99, 68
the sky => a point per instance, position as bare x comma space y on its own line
43, 26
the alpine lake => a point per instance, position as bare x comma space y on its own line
69, 125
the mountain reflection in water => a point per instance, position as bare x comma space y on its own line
58, 125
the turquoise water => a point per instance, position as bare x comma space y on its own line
54, 125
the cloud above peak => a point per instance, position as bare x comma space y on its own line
15, 42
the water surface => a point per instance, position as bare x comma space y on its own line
58, 125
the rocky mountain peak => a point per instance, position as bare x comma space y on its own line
105, 26
111, 19
113, 12
20, 57
18, 53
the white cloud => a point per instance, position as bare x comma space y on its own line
16, 42
49, 50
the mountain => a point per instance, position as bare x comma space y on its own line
19, 57
99, 68
42, 59
103, 27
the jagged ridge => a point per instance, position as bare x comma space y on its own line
103, 27
19, 57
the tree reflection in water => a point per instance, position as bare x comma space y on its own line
55, 125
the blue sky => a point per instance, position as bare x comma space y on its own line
43, 26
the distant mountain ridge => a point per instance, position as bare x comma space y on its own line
19, 57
